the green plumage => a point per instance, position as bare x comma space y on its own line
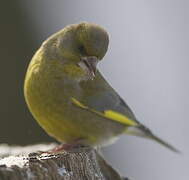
63, 70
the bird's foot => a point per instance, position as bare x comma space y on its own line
74, 145
65, 147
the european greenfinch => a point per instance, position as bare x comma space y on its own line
70, 98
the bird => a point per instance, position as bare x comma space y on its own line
69, 97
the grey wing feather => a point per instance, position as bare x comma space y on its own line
110, 101
104, 97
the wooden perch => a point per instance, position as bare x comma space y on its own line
24, 163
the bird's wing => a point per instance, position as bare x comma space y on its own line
99, 97
106, 112
105, 102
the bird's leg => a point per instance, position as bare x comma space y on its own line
67, 146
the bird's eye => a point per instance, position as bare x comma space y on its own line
82, 49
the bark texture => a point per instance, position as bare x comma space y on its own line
26, 163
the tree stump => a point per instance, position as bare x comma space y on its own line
27, 163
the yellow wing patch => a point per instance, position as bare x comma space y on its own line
77, 103
119, 117
109, 114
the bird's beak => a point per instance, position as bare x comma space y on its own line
89, 64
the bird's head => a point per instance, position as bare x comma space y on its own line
83, 44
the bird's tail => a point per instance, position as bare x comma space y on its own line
142, 131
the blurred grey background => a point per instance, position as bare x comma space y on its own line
147, 63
